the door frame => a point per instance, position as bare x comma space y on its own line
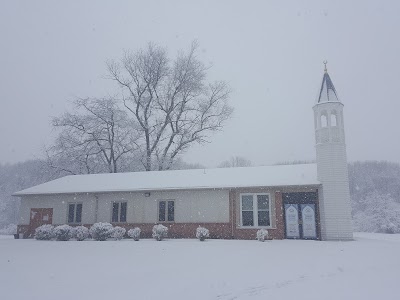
297, 198
41, 211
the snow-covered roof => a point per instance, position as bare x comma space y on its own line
327, 92
280, 175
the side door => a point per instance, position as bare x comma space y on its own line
40, 216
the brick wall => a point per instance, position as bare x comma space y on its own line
175, 230
183, 230
250, 234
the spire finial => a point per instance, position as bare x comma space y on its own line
325, 62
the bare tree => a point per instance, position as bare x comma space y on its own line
171, 101
234, 162
97, 136
180, 164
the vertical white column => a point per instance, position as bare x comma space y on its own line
332, 171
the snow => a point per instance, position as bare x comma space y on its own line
367, 268
281, 175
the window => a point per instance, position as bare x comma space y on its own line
255, 210
324, 121
74, 212
333, 120
119, 212
166, 210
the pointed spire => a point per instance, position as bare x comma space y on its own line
327, 92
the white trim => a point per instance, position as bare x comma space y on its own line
255, 210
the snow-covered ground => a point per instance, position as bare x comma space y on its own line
367, 268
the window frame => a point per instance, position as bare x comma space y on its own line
75, 206
166, 215
335, 118
119, 211
255, 210
324, 120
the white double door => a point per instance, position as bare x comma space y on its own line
300, 221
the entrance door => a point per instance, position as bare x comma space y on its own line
40, 216
300, 215
292, 221
308, 221
300, 221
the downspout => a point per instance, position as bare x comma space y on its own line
96, 209
232, 213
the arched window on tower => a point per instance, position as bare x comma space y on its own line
333, 119
324, 120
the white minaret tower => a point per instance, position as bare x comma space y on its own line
334, 197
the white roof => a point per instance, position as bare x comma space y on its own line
281, 175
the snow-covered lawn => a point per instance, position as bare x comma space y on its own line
367, 268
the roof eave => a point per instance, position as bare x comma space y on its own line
21, 194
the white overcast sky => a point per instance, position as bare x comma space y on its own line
270, 52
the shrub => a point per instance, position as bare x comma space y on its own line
262, 234
80, 233
160, 232
118, 233
9, 230
63, 232
390, 228
376, 212
44, 232
101, 231
134, 233
202, 233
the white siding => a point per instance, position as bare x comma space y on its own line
202, 206
332, 171
59, 204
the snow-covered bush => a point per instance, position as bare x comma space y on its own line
377, 213
160, 232
9, 230
375, 196
202, 233
44, 232
262, 234
134, 233
80, 233
390, 228
63, 232
118, 233
101, 231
